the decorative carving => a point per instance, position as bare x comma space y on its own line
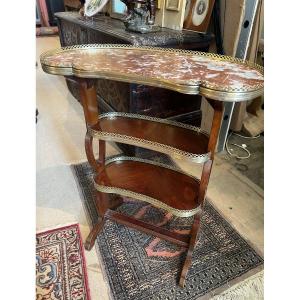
107, 27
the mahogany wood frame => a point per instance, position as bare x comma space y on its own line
105, 206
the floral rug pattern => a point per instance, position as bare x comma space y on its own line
60, 265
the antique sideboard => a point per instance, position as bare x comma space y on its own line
128, 97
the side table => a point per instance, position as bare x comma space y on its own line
218, 78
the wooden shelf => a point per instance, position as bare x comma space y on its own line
160, 185
173, 138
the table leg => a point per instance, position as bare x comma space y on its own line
213, 138
103, 203
90, 241
192, 244
88, 99
96, 165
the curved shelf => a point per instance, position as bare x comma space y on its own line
180, 141
215, 76
160, 185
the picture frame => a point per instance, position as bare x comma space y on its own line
197, 14
173, 5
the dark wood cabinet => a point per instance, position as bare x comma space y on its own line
134, 98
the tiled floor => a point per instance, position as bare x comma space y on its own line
60, 142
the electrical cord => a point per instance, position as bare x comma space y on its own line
243, 146
247, 137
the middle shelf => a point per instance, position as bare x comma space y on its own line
175, 139
163, 186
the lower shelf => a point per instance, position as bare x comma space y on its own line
160, 185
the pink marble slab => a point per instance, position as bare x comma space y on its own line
176, 67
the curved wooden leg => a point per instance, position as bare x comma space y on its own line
103, 203
90, 241
88, 99
97, 165
213, 138
188, 259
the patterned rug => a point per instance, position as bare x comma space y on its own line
140, 266
60, 265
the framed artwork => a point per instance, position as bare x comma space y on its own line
197, 14
173, 5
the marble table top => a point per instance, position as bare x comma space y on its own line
214, 76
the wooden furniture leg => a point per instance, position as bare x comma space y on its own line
96, 164
90, 241
88, 98
213, 138
192, 244
103, 203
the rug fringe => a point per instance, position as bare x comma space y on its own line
251, 288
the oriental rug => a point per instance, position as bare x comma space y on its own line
60, 265
144, 267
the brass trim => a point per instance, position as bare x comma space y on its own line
138, 196
169, 150
111, 115
66, 71
230, 96
203, 88
148, 161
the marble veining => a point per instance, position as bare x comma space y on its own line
180, 68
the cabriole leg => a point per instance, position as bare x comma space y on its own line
213, 138
103, 203
88, 98
90, 241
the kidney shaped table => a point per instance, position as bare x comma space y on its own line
218, 78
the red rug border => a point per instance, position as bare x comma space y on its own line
81, 249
